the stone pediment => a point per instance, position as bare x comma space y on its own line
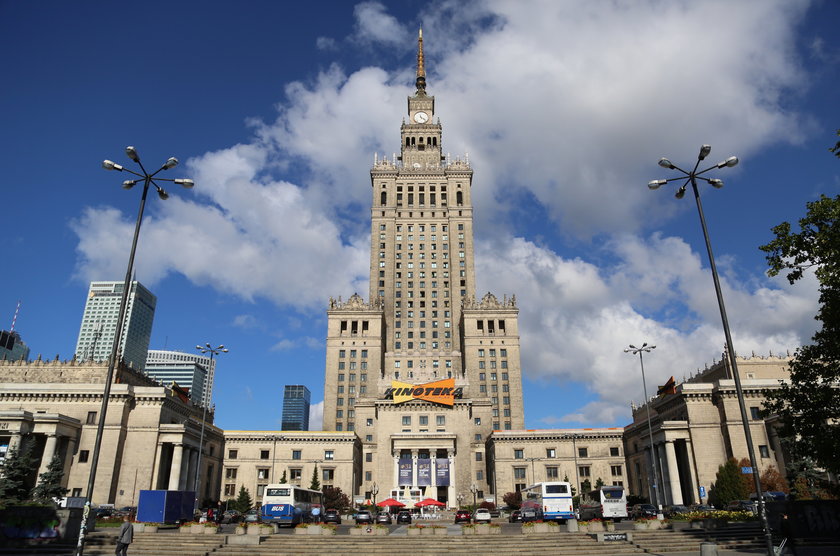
490, 301
355, 303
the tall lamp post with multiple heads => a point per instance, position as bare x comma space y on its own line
213, 351
474, 490
692, 177
374, 490
653, 459
147, 179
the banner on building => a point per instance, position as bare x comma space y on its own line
440, 391
442, 471
405, 472
424, 472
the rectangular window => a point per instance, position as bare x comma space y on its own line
369, 457
583, 471
764, 451
550, 453
262, 473
83, 456
518, 472
295, 474
260, 490
583, 452
368, 476
369, 422
296, 454
755, 413
230, 490
616, 470
478, 456
424, 420
614, 451
329, 454
406, 420
230, 473
552, 473
441, 420
328, 474
263, 454
479, 475
518, 454
91, 418
232, 454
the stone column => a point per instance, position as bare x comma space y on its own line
49, 452
14, 441
662, 471
433, 471
175, 468
191, 467
413, 468
673, 473
156, 469
452, 491
695, 484
68, 458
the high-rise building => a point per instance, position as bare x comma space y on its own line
422, 371
99, 323
295, 408
192, 371
12, 348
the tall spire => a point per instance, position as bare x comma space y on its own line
421, 69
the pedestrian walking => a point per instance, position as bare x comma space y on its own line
124, 537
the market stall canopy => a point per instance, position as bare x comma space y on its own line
429, 502
388, 502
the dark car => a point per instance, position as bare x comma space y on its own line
528, 514
463, 516
515, 516
384, 518
102, 513
741, 506
673, 511
404, 516
231, 516
363, 516
252, 516
331, 516
642, 511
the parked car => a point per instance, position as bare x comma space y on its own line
363, 516
331, 516
102, 513
528, 514
741, 506
231, 516
252, 516
643, 510
404, 516
673, 511
481, 515
384, 517
515, 516
702, 508
495, 513
462, 516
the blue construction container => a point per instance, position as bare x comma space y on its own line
165, 506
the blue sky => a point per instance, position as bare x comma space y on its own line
277, 108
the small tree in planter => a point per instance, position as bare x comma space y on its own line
49, 482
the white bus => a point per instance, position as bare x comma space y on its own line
549, 501
607, 502
289, 504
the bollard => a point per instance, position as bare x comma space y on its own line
708, 549
572, 525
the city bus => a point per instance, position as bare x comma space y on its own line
606, 502
549, 501
289, 505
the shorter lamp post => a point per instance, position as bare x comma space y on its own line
374, 490
474, 491
460, 499
206, 348
653, 459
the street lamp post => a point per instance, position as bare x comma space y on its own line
148, 179
460, 499
474, 490
574, 454
374, 490
533, 472
206, 348
653, 459
692, 177
273, 438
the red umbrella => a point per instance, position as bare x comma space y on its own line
389, 502
429, 502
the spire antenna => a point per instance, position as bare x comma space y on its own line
421, 69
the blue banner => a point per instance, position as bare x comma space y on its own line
442, 471
424, 472
405, 472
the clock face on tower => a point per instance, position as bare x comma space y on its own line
421, 117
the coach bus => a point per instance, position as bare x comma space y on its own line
549, 501
288, 504
606, 502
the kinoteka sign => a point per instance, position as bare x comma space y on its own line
441, 391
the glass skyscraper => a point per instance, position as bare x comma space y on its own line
295, 408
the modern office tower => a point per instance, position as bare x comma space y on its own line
295, 408
422, 371
99, 323
191, 371
12, 347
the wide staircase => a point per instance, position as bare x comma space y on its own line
746, 536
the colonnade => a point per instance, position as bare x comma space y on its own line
433, 479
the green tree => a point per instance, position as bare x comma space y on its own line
283, 478
586, 486
243, 502
728, 485
808, 404
599, 483
49, 482
836, 148
16, 473
335, 498
315, 484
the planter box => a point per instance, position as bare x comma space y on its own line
414, 532
139, 527
211, 530
539, 529
596, 526
240, 530
439, 531
301, 530
610, 525
314, 530
583, 528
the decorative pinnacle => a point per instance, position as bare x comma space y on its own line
421, 69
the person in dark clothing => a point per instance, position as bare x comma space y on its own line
786, 528
124, 537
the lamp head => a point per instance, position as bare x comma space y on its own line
171, 163
132, 153
729, 162
680, 193
186, 184
198, 347
162, 194
109, 165
716, 183
656, 184
128, 184
704, 152
665, 163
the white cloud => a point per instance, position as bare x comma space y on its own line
325, 43
245, 321
375, 25
316, 416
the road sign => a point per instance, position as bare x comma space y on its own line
702, 492
746, 470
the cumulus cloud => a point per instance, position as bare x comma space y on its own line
560, 104
316, 416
